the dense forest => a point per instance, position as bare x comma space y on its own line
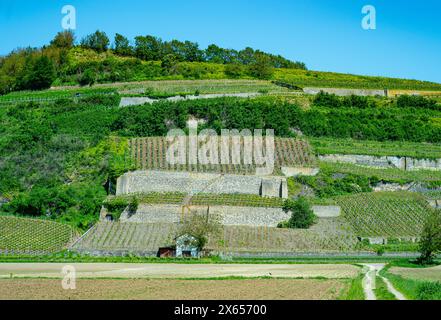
94, 59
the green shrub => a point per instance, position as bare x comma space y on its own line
301, 214
234, 70
406, 101
88, 78
429, 291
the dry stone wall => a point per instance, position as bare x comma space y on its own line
193, 183
403, 163
133, 101
230, 215
346, 92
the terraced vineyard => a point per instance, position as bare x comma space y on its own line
375, 148
51, 95
385, 214
150, 153
241, 200
387, 174
201, 86
308, 78
433, 194
328, 235
114, 236
33, 236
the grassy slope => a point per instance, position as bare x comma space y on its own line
381, 291
355, 291
414, 289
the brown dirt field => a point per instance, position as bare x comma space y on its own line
429, 274
143, 289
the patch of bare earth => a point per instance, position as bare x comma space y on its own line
429, 274
144, 289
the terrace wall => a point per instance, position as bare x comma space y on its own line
230, 215
346, 92
403, 163
192, 183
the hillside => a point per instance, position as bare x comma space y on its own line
65, 62
33, 236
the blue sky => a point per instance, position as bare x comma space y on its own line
325, 34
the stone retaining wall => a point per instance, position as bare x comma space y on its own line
133, 101
403, 163
230, 215
346, 92
327, 211
192, 183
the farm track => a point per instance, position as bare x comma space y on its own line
369, 282
173, 271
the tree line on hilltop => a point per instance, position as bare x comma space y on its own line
39, 68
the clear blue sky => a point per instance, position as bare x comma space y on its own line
325, 34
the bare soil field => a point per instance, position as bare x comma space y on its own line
428, 274
144, 289
174, 271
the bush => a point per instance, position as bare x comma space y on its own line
234, 70
429, 291
331, 184
301, 214
406, 101
324, 99
261, 68
88, 78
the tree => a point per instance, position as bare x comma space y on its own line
37, 74
64, 39
234, 70
430, 242
148, 48
192, 52
122, 45
88, 78
200, 226
97, 41
247, 56
301, 214
261, 68
169, 63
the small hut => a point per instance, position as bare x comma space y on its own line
187, 246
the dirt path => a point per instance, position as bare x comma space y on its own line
169, 270
369, 282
